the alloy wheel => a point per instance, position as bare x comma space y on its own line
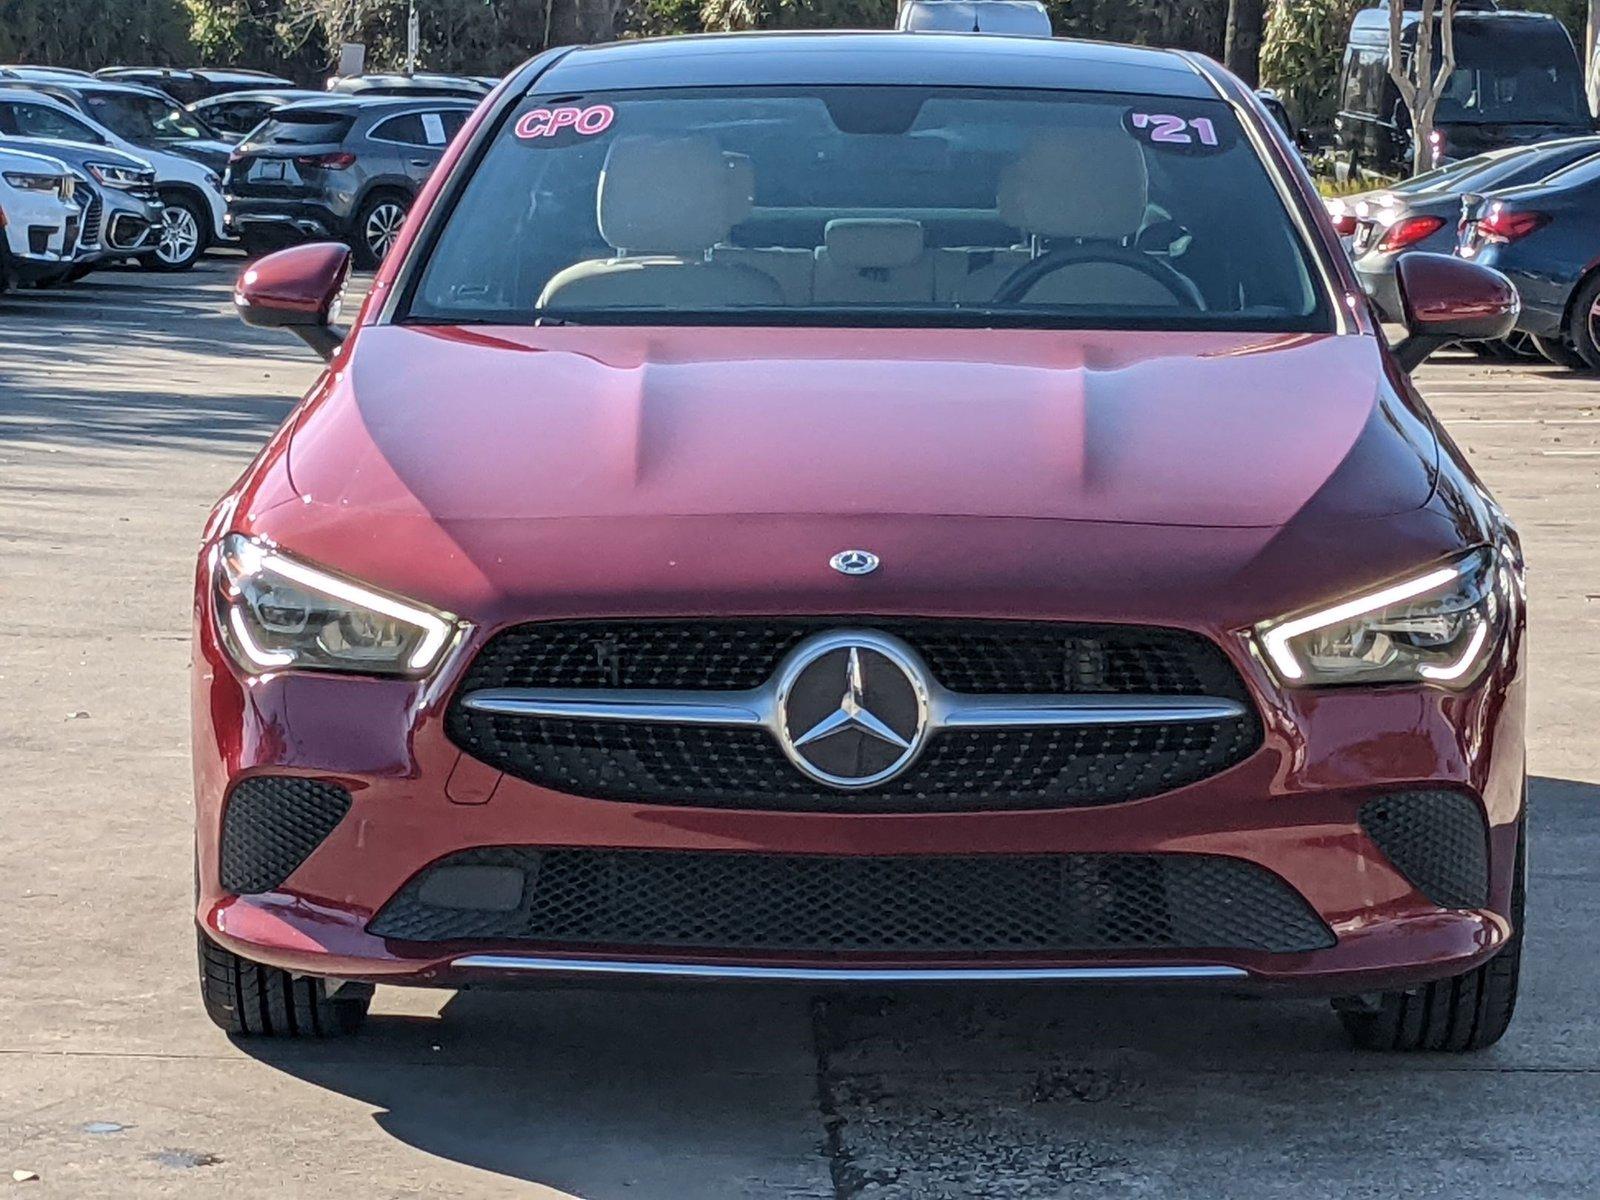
180, 235
382, 227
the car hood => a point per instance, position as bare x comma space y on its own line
76, 153
1185, 429
201, 150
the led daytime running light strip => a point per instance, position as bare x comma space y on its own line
1276, 640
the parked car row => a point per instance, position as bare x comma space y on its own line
1533, 212
165, 163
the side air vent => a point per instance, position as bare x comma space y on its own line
271, 825
1435, 839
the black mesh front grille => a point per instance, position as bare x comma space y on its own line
1021, 657
1437, 840
271, 825
991, 904
960, 770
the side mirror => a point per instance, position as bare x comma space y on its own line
298, 289
1445, 299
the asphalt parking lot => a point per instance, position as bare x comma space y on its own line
129, 402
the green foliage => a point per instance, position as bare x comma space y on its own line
1301, 52
1194, 24
94, 33
257, 33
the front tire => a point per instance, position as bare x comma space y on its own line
180, 238
249, 999
1465, 1012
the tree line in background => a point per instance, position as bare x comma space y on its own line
1300, 41
300, 38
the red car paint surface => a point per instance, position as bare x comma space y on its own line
1199, 481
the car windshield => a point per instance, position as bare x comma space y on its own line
861, 205
141, 118
1500, 79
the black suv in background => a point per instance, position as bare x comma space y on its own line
1516, 80
344, 167
189, 86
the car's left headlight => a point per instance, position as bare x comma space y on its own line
276, 613
1439, 626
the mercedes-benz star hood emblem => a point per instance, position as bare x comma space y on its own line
854, 562
852, 708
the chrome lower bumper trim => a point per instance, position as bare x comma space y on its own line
670, 970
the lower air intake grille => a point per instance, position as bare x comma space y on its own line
1437, 840
272, 824
93, 212
675, 900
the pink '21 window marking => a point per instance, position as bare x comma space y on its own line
1164, 128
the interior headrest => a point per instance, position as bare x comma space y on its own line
661, 195
741, 186
1087, 183
863, 242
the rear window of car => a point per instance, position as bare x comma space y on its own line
1583, 172
302, 129
897, 205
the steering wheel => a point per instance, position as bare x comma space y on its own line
1023, 280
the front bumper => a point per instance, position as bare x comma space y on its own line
1293, 808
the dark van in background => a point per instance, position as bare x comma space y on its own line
1517, 80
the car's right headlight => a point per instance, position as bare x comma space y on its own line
122, 178
30, 181
277, 613
1438, 626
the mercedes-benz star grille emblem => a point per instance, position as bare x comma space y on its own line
854, 562
852, 709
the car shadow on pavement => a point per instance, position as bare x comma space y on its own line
738, 1091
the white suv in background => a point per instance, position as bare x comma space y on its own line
191, 192
38, 218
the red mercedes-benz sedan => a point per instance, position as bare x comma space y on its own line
870, 507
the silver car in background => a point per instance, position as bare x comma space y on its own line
1422, 214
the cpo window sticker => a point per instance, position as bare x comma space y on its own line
560, 122
1176, 132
